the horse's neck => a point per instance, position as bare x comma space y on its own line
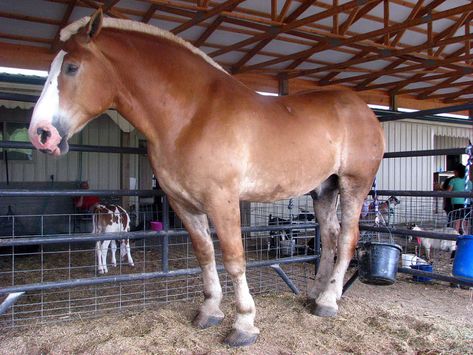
163, 85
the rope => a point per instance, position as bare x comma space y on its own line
376, 204
468, 151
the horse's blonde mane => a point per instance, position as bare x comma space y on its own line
70, 30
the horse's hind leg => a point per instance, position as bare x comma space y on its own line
353, 191
325, 208
198, 227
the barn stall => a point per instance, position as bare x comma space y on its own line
48, 246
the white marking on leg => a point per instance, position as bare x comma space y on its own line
113, 246
212, 291
98, 254
104, 250
246, 310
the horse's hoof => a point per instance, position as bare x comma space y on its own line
325, 311
204, 322
239, 338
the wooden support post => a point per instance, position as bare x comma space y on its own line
283, 85
393, 102
125, 169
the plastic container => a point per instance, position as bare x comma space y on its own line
156, 226
378, 263
463, 262
422, 267
409, 259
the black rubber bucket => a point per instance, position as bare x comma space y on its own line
378, 262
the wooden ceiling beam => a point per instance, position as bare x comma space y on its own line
448, 98
149, 13
354, 16
259, 46
429, 44
384, 55
202, 16
435, 87
411, 80
95, 5
444, 84
334, 43
108, 4
34, 19
344, 28
65, 20
275, 31
285, 9
450, 32
208, 31
428, 65
415, 13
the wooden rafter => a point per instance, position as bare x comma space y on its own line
202, 16
323, 30
64, 21
149, 13
365, 36
275, 31
291, 18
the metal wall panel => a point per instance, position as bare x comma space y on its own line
417, 173
100, 169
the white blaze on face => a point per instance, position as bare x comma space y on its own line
48, 103
43, 131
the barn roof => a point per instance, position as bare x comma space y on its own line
417, 48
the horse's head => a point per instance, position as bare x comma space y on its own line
72, 95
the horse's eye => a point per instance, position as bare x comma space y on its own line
71, 69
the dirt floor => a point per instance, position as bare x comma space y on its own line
407, 317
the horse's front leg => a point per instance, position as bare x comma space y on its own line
197, 225
225, 214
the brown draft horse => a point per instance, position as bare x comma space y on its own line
213, 142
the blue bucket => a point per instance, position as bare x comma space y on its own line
422, 267
463, 263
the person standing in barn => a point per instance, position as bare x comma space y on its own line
457, 184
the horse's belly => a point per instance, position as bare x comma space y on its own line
267, 190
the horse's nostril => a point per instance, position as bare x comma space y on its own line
44, 135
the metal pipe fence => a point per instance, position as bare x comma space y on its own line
60, 276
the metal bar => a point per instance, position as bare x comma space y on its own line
350, 281
88, 237
423, 193
73, 193
424, 153
165, 240
79, 148
10, 301
317, 249
286, 278
419, 114
140, 276
409, 232
435, 276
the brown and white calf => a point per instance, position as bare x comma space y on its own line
109, 219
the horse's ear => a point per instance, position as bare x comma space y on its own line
95, 24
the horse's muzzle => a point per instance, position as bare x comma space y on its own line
46, 138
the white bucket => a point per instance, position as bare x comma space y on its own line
410, 259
